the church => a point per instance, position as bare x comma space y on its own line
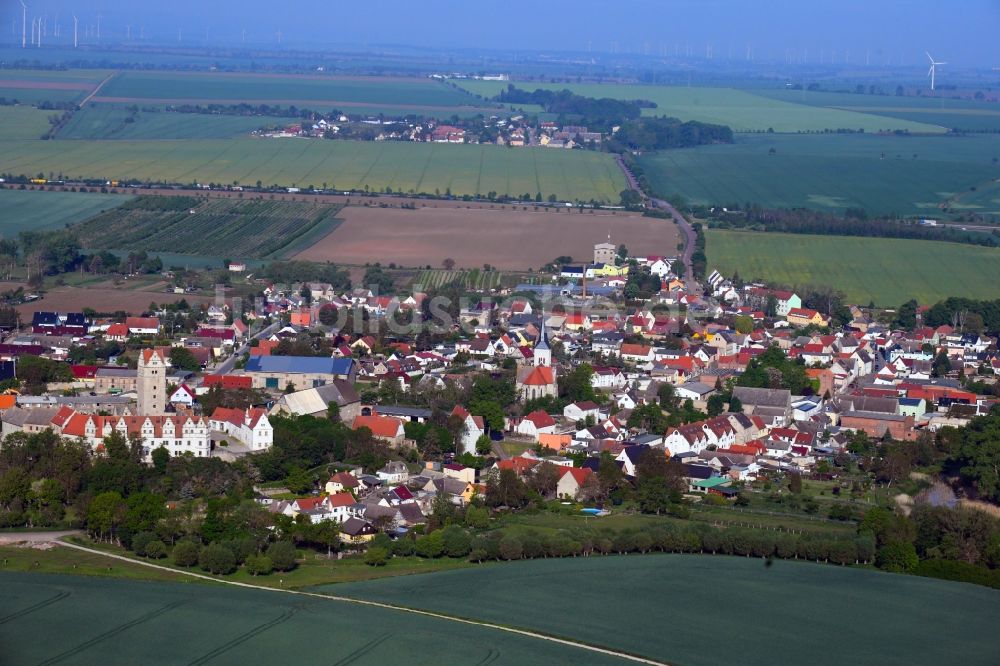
539, 379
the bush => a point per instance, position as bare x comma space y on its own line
259, 565
242, 548
897, 556
139, 541
403, 547
477, 554
185, 554
377, 557
283, 555
960, 571
155, 550
430, 546
455, 541
511, 548
217, 559
477, 517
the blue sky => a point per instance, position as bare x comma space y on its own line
963, 33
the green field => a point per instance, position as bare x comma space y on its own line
741, 110
50, 85
284, 90
114, 121
962, 114
883, 174
403, 166
26, 210
887, 271
472, 279
693, 609
47, 618
23, 122
239, 228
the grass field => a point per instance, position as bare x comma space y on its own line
405, 167
961, 114
253, 229
23, 122
34, 86
26, 210
505, 239
887, 271
386, 92
112, 121
883, 174
739, 109
690, 609
83, 620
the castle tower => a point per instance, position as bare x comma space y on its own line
543, 355
151, 383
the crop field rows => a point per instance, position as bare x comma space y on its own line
882, 174
113, 121
251, 229
403, 167
25, 210
886, 271
471, 279
40, 622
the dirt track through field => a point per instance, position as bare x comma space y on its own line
378, 604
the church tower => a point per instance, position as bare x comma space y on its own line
543, 354
151, 383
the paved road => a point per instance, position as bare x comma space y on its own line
685, 227
226, 366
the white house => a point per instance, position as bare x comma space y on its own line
250, 427
579, 411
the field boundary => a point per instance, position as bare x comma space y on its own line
383, 605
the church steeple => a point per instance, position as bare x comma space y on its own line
543, 354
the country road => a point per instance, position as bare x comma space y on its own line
678, 218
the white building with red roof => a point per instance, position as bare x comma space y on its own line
179, 434
250, 427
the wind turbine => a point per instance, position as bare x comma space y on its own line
24, 25
933, 70
74, 30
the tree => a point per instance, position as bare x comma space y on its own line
942, 364
576, 385
716, 404
544, 479
448, 264
328, 314
161, 457
897, 556
484, 445
155, 550
795, 484
609, 475
376, 557
906, 315
504, 488
977, 453
283, 555
217, 559
477, 517
181, 358
259, 565
511, 547
105, 514
185, 553
455, 541
743, 324
431, 545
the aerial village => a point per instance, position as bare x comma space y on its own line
605, 362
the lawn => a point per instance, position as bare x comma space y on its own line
114, 121
242, 228
47, 618
882, 174
60, 560
739, 109
404, 167
28, 210
322, 91
962, 114
690, 609
884, 270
